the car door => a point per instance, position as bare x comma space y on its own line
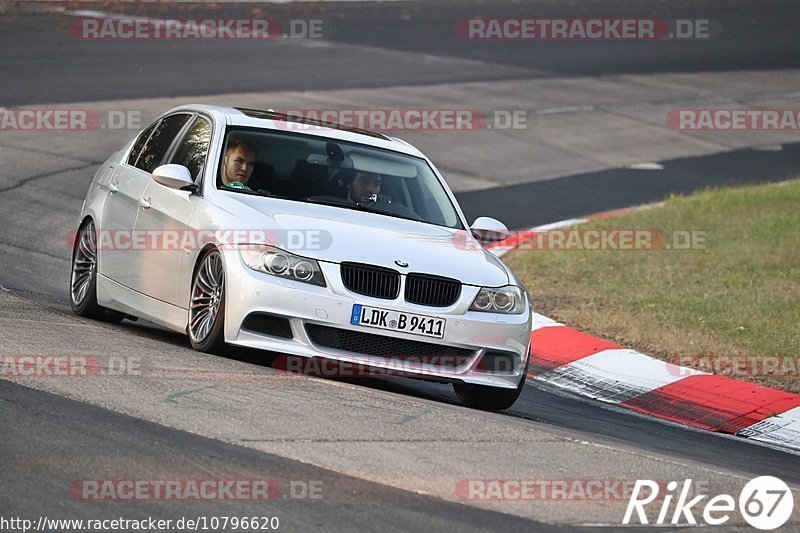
165, 213
125, 190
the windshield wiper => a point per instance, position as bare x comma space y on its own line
334, 201
259, 192
347, 204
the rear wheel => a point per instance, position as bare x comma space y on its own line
489, 398
207, 305
83, 279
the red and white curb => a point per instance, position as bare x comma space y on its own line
599, 369
521, 236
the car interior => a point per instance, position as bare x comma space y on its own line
309, 168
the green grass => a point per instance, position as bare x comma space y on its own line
737, 295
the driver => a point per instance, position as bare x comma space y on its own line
363, 187
238, 163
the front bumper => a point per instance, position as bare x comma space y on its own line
317, 314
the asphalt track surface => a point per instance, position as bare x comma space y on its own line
50, 441
541, 202
42, 55
76, 436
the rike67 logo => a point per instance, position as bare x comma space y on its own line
765, 503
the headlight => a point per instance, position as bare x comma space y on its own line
277, 262
508, 300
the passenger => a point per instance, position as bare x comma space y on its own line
239, 162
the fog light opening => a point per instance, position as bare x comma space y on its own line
497, 363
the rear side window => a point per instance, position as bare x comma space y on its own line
139, 144
193, 149
160, 141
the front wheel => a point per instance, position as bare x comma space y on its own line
207, 305
489, 398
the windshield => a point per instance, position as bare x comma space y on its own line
334, 173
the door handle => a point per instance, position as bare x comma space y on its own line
113, 187
144, 203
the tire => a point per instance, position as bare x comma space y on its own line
206, 326
489, 398
83, 277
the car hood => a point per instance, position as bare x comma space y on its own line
336, 234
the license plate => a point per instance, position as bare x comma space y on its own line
374, 317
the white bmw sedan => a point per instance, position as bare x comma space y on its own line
252, 228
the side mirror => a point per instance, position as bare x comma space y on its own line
175, 177
488, 230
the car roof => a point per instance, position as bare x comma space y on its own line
273, 120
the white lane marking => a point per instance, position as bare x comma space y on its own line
565, 109
646, 166
89, 13
561, 224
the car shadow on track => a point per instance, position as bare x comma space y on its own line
438, 392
